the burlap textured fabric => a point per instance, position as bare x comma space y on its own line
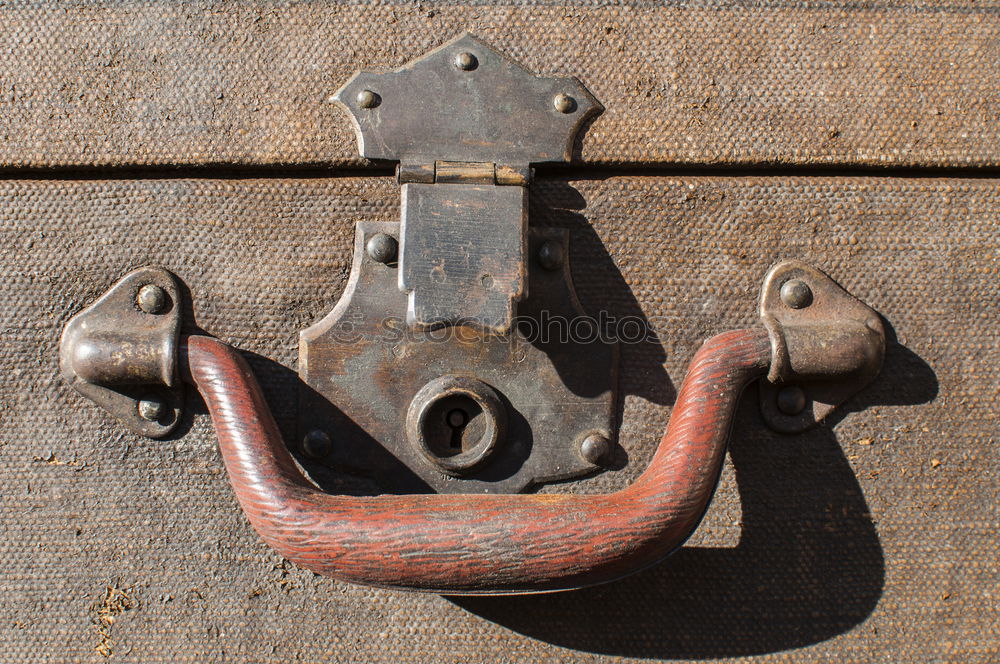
874, 538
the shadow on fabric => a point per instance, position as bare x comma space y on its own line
808, 566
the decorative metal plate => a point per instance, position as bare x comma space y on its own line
465, 123
364, 371
465, 102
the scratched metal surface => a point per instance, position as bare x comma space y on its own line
206, 83
874, 538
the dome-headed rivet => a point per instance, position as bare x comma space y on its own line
152, 410
596, 449
466, 61
791, 400
368, 99
564, 103
796, 294
152, 299
382, 248
316, 444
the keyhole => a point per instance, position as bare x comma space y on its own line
454, 425
457, 419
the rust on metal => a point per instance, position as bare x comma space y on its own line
363, 369
121, 351
485, 542
827, 346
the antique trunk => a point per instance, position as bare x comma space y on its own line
681, 169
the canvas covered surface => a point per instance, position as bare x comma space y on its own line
162, 83
196, 136
874, 538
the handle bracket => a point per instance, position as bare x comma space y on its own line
828, 345
121, 351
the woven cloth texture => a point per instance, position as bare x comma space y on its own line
874, 538
163, 83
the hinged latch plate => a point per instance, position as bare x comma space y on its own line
465, 124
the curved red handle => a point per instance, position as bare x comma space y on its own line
479, 543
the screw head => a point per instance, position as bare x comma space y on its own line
152, 410
796, 294
152, 299
368, 99
791, 400
596, 449
466, 61
382, 248
316, 444
564, 103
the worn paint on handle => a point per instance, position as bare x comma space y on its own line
479, 543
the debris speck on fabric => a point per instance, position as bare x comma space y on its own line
116, 600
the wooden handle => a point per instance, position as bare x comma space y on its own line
479, 543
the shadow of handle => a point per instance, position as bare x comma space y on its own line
478, 544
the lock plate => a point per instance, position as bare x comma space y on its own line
436, 372
384, 393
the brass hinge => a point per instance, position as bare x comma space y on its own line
464, 172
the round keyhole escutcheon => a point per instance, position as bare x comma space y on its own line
456, 422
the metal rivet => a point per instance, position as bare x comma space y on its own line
595, 449
564, 103
152, 410
152, 299
368, 99
382, 248
796, 294
316, 444
466, 61
551, 255
791, 400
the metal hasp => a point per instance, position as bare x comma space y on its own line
465, 124
429, 374
121, 352
827, 346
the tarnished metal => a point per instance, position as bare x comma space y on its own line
382, 248
827, 346
121, 351
375, 384
462, 254
796, 294
456, 422
496, 111
470, 122
466, 61
596, 449
316, 444
551, 255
